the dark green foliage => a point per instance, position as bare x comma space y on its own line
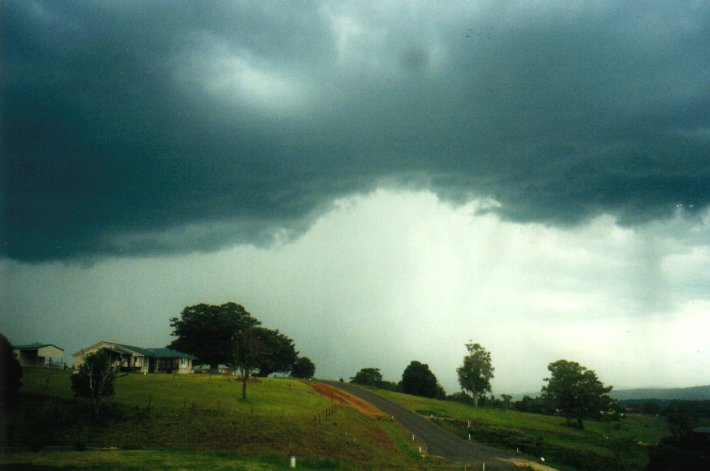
684, 416
10, 374
368, 377
576, 392
536, 404
250, 348
460, 397
303, 367
476, 372
229, 334
208, 331
95, 379
390, 386
418, 380
279, 353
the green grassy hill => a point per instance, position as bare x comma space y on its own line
622, 443
198, 422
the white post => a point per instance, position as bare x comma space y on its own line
292, 462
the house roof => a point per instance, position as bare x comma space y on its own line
157, 352
164, 352
35, 346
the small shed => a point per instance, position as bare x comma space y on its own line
39, 355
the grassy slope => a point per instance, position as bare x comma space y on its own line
645, 429
202, 417
603, 438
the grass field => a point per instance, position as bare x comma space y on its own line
198, 422
623, 441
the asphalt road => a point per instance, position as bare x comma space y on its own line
438, 442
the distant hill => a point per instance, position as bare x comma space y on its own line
697, 393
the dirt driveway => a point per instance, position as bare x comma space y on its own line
437, 441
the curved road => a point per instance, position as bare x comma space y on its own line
439, 442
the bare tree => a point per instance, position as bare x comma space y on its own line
95, 379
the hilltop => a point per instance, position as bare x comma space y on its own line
697, 393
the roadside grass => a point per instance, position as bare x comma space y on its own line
622, 442
203, 423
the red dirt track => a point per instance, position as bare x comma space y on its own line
345, 399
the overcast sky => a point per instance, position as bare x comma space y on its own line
381, 181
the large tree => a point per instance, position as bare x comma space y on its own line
95, 379
417, 379
576, 391
279, 353
476, 372
368, 377
303, 367
258, 347
208, 331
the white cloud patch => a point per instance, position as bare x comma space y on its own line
241, 77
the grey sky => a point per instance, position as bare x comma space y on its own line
526, 142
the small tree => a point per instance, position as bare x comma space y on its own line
417, 379
249, 346
476, 372
95, 379
506, 398
576, 391
303, 367
10, 375
368, 377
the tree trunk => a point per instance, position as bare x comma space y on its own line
245, 378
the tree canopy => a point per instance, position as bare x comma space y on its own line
576, 391
368, 377
229, 334
258, 347
208, 331
278, 352
303, 367
476, 371
417, 379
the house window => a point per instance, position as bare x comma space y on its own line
183, 361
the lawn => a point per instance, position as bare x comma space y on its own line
197, 422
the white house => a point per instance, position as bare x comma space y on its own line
139, 359
39, 355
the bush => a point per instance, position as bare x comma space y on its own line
10, 375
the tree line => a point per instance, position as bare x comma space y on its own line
571, 390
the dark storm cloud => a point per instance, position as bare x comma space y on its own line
148, 127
